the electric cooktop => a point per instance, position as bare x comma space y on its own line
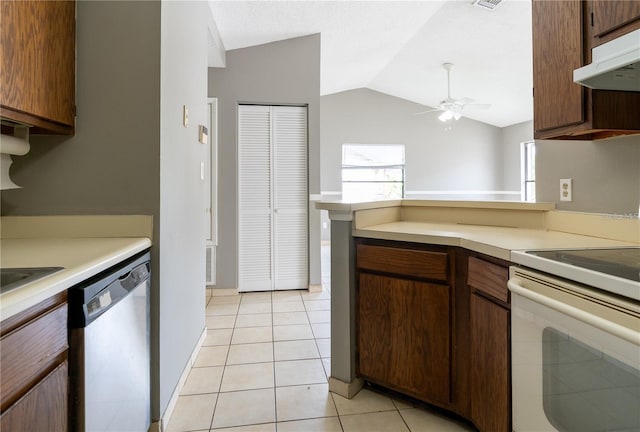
615, 270
620, 262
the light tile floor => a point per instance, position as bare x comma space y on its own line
263, 367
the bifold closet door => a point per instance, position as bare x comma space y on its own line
272, 201
290, 196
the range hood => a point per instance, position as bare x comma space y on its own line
615, 65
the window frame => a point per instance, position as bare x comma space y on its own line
528, 171
375, 167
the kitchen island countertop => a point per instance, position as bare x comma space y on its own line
495, 241
494, 228
491, 228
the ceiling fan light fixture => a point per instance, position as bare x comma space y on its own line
449, 115
445, 116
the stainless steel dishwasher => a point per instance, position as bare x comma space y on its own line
109, 366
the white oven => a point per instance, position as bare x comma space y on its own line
575, 356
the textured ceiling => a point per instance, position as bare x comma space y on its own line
398, 47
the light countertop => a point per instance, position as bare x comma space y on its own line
495, 228
490, 240
80, 257
345, 206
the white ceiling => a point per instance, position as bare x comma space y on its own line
398, 47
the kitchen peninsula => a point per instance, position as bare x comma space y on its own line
419, 299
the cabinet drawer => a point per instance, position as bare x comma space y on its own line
43, 408
489, 278
406, 262
30, 351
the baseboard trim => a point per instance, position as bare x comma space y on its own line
345, 389
315, 288
215, 292
159, 426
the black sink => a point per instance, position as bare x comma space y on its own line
12, 278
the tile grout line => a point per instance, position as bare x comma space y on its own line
314, 338
224, 367
273, 350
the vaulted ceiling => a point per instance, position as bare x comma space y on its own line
398, 47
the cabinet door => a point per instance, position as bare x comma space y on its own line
610, 15
404, 335
43, 408
557, 51
490, 385
37, 67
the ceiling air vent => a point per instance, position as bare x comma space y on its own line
487, 4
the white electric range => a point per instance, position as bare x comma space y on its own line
575, 344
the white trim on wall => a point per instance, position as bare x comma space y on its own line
160, 425
463, 192
444, 192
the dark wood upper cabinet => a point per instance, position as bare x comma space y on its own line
563, 36
37, 66
557, 51
609, 16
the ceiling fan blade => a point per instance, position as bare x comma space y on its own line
428, 111
464, 101
477, 106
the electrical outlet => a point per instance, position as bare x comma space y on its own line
566, 193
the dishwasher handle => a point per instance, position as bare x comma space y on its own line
134, 278
93, 297
115, 292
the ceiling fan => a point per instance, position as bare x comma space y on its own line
452, 108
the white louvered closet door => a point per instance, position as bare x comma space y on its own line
272, 177
290, 194
254, 200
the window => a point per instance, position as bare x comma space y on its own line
372, 171
528, 171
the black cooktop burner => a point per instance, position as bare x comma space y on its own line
620, 262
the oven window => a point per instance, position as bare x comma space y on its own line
586, 390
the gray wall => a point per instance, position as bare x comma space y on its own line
512, 137
468, 156
285, 72
183, 81
137, 64
112, 164
605, 173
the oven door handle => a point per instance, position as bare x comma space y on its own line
516, 287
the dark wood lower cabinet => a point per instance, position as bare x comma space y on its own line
34, 369
433, 323
404, 337
490, 365
43, 408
